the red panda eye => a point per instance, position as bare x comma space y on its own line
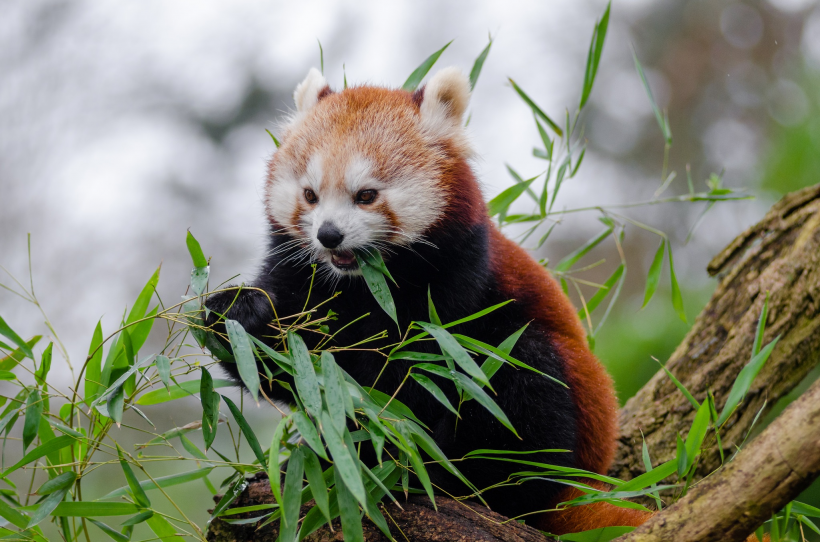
366, 196
310, 196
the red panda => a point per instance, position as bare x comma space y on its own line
374, 168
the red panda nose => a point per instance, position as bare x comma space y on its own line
329, 235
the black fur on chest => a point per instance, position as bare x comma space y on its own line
461, 282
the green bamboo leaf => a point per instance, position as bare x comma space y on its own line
273, 137
601, 294
537, 110
192, 449
479, 314
378, 287
805, 509
243, 354
134, 485
435, 391
305, 378
184, 389
119, 382
210, 407
418, 74
683, 460
10, 362
645, 480
161, 481
374, 259
520, 180
138, 518
432, 314
601, 534
309, 433
45, 366
141, 304
230, 496
488, 349
571, 259
654, 275
664, 125
164, 370
502, 201
33, 413
681, 387
291, 496
47, 506
349, 510
199, 279
92, 509
316, 482
344, 460
13, 516
197, 256
9, 333
247, 431
484, 400
492, 364
335, 390
282, 361
697, 433
596, 46
41, 451
65, 480
114, 534
273, 458
761, 326
452, 348
479, 63
163, 529
744, 381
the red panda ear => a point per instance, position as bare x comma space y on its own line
446, 97
310, 91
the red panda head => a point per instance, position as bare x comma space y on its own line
367, 167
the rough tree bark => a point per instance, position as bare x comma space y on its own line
779, 255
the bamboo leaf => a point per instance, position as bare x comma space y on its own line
377, 284
571, 259
479, 63
291, 497
164, 370
537, 110
502, 201
601, 294
346, 466
184, 389
243, 354
435, 391
112, 533
210, 407
305, 378
316, 482
247, 431
92, 509
697, 433
33, 413
161, 481
654, 275
309, 433
418, 74
134, 485
195, 250
47, 506
596, 46
40, 451
349, 510
664, 125
452, 348
9, 333
744, 381
335, 390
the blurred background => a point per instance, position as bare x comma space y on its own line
124, 124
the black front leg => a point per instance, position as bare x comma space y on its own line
252, 309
